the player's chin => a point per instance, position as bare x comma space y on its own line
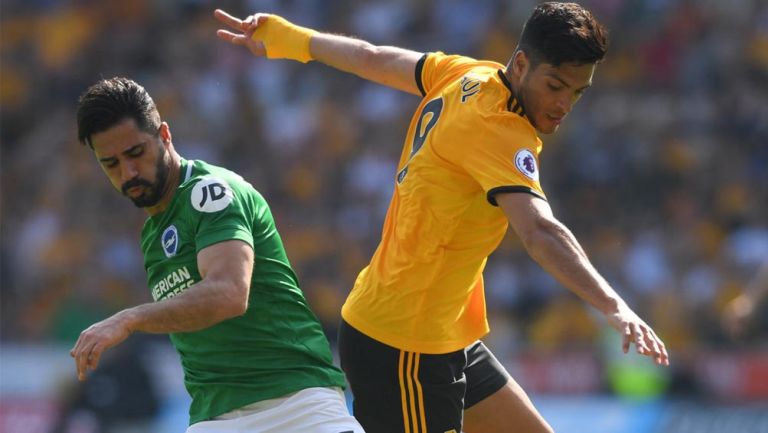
146, 199
139, 202
548, 127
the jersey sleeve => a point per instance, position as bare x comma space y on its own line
220, 214
433, 67
501, 160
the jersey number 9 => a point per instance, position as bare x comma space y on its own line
429, 115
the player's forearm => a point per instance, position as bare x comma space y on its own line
391, 66
200, 306
556, 249
278, 38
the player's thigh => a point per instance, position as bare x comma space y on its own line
507, 410
495, 403
402, 392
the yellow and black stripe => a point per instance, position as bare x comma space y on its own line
397, 391
513, 104
411, 394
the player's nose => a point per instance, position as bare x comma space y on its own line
128, 171
564, 106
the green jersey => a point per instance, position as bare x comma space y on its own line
277, 347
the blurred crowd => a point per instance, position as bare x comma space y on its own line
661, 170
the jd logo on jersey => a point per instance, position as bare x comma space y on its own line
170, 241
211, 195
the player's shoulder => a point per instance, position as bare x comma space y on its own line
209, 188
479, 87
195, 172
488, 96
441, 59
439, 71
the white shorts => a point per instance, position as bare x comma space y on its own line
311, 410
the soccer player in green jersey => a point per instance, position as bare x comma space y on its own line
254, 356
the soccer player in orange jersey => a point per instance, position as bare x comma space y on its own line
409, 340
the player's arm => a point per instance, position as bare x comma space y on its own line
225, 268
556, 249
222, 293
274, 37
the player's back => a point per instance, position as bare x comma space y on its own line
423, 288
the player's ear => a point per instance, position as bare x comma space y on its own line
165, 133
519, 64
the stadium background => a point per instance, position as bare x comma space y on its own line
661, 171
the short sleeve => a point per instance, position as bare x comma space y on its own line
502, 160
433, 67
220, 213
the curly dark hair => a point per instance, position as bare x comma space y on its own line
558, 33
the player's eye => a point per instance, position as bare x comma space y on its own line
136, 151
553, 87
112, 163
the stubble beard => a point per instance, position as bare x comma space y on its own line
153, 190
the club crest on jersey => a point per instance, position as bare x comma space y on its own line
526, 163
211, 195
170, 241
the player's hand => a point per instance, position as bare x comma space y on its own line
635, 330
241, 31
95, 340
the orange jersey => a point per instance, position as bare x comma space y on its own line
469, 139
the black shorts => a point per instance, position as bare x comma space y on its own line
406, 392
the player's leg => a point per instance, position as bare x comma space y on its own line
495, 403
402, 392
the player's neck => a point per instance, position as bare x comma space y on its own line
514, 81
170, 187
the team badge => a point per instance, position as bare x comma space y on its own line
211, 195
170, 241
526, 163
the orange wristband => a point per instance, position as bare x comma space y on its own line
283, 39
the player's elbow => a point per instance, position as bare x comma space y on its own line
235, 300
369, 56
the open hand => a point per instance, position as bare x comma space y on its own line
635, 330
243, 31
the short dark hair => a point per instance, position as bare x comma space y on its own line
111, 101
558, 33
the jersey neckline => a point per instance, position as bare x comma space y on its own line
513, 103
